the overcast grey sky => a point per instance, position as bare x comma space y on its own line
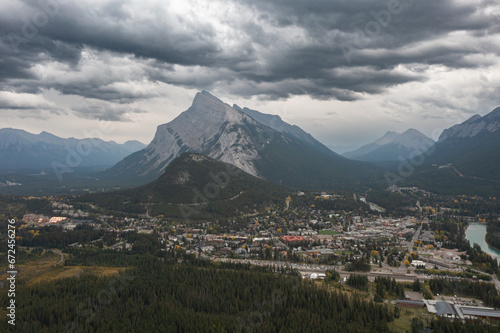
345, 71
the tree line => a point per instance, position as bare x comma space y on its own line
193, 296
482, 290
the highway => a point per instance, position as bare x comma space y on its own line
308, 269
496, 282
371, 275
312, 268
410, 246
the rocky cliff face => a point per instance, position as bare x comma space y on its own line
261, 145
276, 123
472, 147
210, 127
473, 127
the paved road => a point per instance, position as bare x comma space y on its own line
371, 275
496, 282
410, 246
322, 268
314, 268
61, 255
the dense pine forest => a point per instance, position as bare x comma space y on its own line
493, 234
175, 292
481, 290
166, 295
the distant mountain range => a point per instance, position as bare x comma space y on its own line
393, 147
464, 160
341, 149
21, 150
472, 147
195, 186
262, 145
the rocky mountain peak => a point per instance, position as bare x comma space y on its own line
474, 126
392, 146
413, 139
207, 106
388, 137
260, 144
209, 126
493, 115
413, 132
472, 119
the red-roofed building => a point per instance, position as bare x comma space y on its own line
292, 239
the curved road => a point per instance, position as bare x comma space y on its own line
61, 255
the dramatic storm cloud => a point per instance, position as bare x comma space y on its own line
336, 68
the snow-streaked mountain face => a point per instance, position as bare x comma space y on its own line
474, 126
210, 127
23, 150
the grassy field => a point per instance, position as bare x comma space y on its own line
328, 232
343, 252
403, 323
61, 272
47, 267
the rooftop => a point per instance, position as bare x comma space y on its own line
445, 308
480, 312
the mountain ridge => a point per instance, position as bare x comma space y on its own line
286, 155
473, 126
20, 150
472, 147
393, 147
465, 159
368, 148
276, 123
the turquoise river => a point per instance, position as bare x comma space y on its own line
475, 233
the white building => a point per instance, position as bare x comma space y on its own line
416, 263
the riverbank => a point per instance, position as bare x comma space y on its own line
493, 247
489, 244
476, 233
